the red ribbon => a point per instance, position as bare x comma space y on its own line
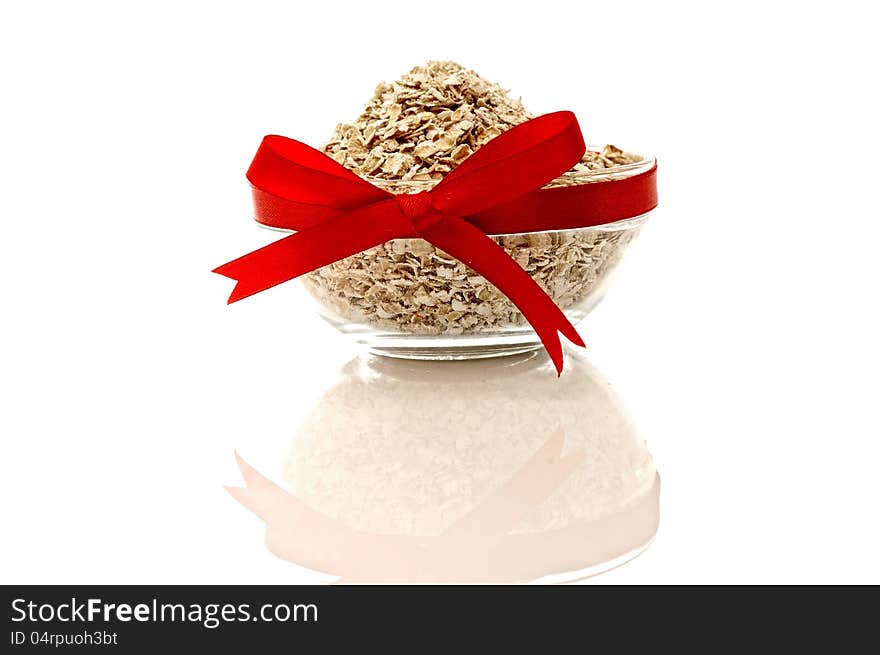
496, 190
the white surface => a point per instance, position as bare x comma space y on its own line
741, 331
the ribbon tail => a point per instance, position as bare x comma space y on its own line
472, 247
312, 248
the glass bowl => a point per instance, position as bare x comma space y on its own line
406, 298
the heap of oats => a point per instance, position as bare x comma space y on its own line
410, 135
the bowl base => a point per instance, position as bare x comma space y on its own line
454, 353
401, 345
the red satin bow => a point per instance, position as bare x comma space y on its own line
495, 190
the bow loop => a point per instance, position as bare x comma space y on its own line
293, 172
523, 159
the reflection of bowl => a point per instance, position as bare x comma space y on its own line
499, 469
409, 299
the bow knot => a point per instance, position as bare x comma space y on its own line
419, 208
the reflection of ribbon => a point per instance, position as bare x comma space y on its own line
495, 190
303, 535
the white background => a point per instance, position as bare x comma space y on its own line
741, 331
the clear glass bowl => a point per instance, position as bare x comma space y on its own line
407, 298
